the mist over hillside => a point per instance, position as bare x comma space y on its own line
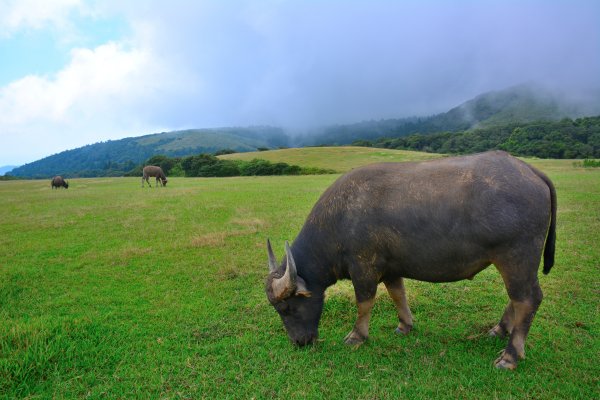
520, 104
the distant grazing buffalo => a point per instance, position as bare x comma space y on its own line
436, 221
58, 181
154, 171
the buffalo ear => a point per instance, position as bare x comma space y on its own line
301, 289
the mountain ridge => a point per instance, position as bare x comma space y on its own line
517, 104
115, 156
522, 103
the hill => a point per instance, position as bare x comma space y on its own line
6, 168
579, 138
515, 105
340, 159
509, 109
115, 157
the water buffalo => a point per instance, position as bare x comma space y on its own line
436, 221
58, 181
151, 170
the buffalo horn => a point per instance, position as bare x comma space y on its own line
291, 264
285, 286
272, 259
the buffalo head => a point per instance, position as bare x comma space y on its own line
298, 308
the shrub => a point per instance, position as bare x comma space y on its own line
256, 167
225, 151
221, 168
177, 170
362, 143
292, 170
587, 163
193, 164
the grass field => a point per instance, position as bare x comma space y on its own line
111, 291
340, 159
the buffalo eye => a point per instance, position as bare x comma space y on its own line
282, 308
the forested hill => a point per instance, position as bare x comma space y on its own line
567, 138
515, 105
115, 157
490, 117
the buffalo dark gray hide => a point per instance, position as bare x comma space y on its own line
436, 221
58, 182
154, 171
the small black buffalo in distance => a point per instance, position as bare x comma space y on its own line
154, 171
436, 221
58, 182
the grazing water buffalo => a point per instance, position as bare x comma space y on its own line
151, 170
58, 181
436, 221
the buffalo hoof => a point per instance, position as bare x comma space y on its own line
505, 362
403, 329
497, 331
354, 339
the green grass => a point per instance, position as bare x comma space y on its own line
340, 159
108, 290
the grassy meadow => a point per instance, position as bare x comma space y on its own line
340, 159
108, 290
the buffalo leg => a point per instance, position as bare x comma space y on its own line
360, 333
365, 292
397, 293
525, 296
505, 326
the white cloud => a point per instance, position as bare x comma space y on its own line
213, 63
108, 92
94, 76
34, 14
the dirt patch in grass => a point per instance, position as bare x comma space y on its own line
214, 239
252, 223
132, 251
217, 239
249, 225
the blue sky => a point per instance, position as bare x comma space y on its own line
75, 72
45, 51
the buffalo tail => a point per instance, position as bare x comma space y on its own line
550, 246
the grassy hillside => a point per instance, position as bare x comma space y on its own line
192, 141
108, 290
116, 157
505, 108
340, 159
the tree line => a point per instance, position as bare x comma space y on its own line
567, 138
209, 165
